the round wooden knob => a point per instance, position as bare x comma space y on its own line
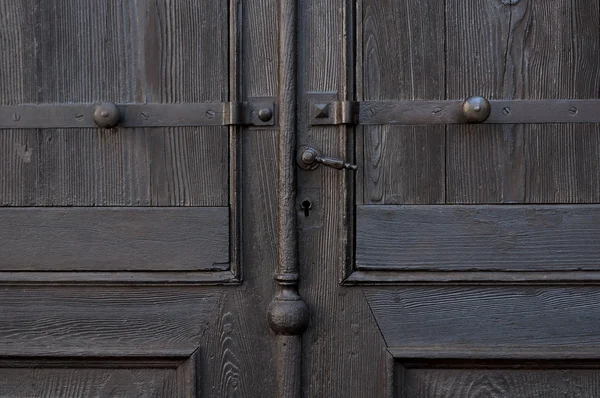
476, 109
107, 115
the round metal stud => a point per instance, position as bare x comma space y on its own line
107, 115
476, 109
265, 114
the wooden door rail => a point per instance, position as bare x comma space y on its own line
452, 112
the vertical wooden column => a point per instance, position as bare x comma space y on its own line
288, 314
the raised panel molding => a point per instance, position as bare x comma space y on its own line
117, 245
477, 244
500, 338
152, 375
527, 379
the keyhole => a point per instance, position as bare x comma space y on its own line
306, 205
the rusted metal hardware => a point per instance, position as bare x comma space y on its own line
257, 112
310, 158
472, 110
106, 115
476, 109
336, 112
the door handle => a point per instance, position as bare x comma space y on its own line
310, 158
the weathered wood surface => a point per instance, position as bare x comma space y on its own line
106, 321
114, 239
240, 351
497, 383
489, 238
485, 322
342, 339
403, 164
94, 382
498, 49
514, 51
130, 52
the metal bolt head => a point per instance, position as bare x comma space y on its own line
476, 109
321, 111
307, 157
107, 115
265, 114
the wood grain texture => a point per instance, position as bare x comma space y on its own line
403, 55
105, 322
88, 383
497, 383
513, 51
477, 321
114, 239
342, 339
130, 52
487, 238
240, 349
99, 378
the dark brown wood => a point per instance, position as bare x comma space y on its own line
478, 320
511, 51
485, 238
131, 53
528, 382
114, 239
403, 164
342, 337
156, 377
100, 332
105, 322
239, 347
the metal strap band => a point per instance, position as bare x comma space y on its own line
139, 115
450, 112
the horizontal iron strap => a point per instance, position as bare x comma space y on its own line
451, 112
136, 115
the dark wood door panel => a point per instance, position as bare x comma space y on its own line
478, 238
488, 323
114, 239
104, 322
101, 342
498, 49
100, 377
514, 51
491, 379
403, 164
181, 166
128, 52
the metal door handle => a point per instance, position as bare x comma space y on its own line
310, 158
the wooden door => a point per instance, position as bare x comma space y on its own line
120, 247
182, 251
460, 260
